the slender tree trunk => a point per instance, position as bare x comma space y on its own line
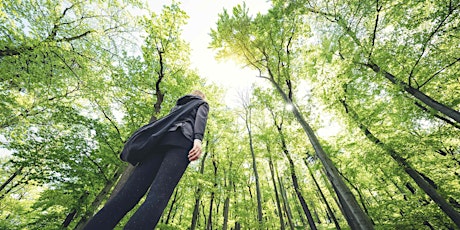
287, 208
297, 189
347, 198
228, 185
254, 168
328, 207
209, 222
99, 198
211, 202
414, 174
315, 212
69, 218
295, 182
196, 208
278, 203
173, 202
425, 99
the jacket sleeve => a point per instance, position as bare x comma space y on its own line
200, 121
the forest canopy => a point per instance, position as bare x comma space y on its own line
381, 78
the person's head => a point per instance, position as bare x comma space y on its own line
199, 94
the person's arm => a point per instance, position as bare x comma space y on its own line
200, 126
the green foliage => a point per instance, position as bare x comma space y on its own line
76, 80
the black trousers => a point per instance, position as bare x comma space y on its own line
160, 172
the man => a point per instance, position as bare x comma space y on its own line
180, 136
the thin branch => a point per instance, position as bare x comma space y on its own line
438, 72
98, 167
374, 34
110, 120
425, 45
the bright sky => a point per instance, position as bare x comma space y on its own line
203, 16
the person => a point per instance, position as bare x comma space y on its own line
160, 171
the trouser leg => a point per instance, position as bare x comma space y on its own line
171, 170
129, 195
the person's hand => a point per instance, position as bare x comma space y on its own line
195, 152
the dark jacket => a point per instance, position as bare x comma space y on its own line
192, 124
190, 110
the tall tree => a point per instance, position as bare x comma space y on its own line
269, 49
247, 117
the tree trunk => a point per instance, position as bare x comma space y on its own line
196, 208
99, 198
287, 208
69, 218
347, 198
278, 203
211, 202
425, 99
419, 179
254, 168
430, 102
74, 211
226, 209
360, 194
295, 183
328, 207
168, 217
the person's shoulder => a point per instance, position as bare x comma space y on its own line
204, 106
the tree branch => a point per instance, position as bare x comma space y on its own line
374, 34
438, 72
425, 45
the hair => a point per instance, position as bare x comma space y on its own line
199, 93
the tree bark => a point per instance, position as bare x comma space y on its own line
74, 211
226, 209
430, 102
